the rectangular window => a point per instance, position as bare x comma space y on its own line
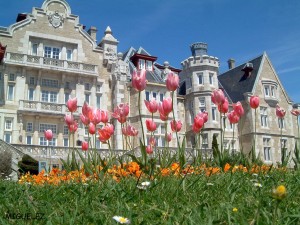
200, 78
267, 90
66, 130
11, 77
67, 85
7, 137
50, 52
87, 87
161, 97
263, 117
52, 142
34, 49
45, 126
50, 83
98, 88
8, 124
147, 95
267, 149
69, 54
98, 99
98, 144
47, 52
202, 104
281, 123
142, 64
10, 92
49, 96
87, 98
273, 91
66, 142
149, 65
211, 78
30, 94
29, 140
43, 141
31, 81
204, 140
67, 97
29, 127
154, 95
214, 113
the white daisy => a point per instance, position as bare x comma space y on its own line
121, 220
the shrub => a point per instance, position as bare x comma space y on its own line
5, 163
28, 164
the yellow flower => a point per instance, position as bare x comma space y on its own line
234, 210
279, 193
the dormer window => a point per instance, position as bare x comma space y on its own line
149, 65
270, 91
142, 64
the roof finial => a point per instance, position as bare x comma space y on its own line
108, 30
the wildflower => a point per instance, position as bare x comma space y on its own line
139, 80
254, 101
48, 134
121, 219
226, 167
258, 185
234, 209
72, 104
144, 185
172, 81
280, 192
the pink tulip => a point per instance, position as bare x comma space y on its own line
165, 107
151, 125
104, 116
169, 137
223, 108
176, 125
92, 128
172, 81
129, 130
152, 141
84, 145
106, 132
69, 119
86, 109
48, 134
121, 112
163, 117
72, 104
217, 97
203, 115
149, 149
73, 127
295, 112
195, 128
238, 108
233, 117
84, 120
139, 80
151, 105
95, 116
254, 101
198, 122
280, 112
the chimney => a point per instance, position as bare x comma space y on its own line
199, 48
231, 63
92, 32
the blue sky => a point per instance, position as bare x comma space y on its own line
236, 29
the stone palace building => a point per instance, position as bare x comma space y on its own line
48, 56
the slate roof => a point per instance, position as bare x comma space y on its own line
236, 83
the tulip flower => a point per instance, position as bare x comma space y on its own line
195, 128
295, 112
121, 112
149, 149
203, 115
95, 116
176, 125
139, 80
165, 107
129, 130
48, 134
92, 128
198, 122
233, 117
151, 105
104, 116
172, 81
73, 127
151, 125
254, 101
69, 119
86, 109
106, 132
169, 137
85, 120
217, 97
238, 108
280, 112
223, 107
152, 141
84, 145
72, 104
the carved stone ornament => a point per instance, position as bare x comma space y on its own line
55, 19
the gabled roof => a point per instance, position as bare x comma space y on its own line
236, 81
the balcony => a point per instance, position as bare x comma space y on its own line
45, 107
49, 63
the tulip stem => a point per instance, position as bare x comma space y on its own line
232, 143
179, 149
139, 102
